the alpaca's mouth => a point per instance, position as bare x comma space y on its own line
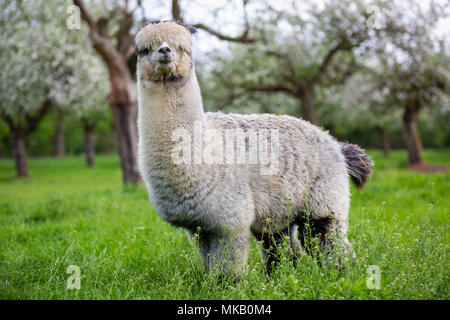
165, 60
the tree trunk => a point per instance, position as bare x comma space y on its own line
59, 135
89, 143
126, 139
123, 107
308, 104
121, 99
18, 133
384, 141
19, 152
412, 135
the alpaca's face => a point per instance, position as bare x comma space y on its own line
164, 52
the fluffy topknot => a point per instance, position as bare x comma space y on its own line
189, 27
175, 33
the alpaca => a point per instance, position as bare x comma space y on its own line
306, 180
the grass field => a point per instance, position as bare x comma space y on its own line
66, 214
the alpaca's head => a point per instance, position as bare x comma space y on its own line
164, 51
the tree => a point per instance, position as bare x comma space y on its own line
59, 142
116, 51
410, 68
29, 71
412, 88
298, 50
360, 104
244, 37
39, 69
88, 98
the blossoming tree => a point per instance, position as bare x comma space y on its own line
43, 64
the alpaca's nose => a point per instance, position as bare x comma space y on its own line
164, 49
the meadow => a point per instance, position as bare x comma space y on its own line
66, 214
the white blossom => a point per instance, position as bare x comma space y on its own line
41, 59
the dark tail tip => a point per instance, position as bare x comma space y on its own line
358, 164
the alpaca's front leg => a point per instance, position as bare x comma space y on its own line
225, 253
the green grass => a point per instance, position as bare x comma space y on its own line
66, 214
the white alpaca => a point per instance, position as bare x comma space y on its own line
231, 201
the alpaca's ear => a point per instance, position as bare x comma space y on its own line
151, 22
191, 29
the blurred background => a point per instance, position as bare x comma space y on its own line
375, 73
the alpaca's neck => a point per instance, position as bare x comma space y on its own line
165, 107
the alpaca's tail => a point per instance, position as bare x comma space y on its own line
358, 164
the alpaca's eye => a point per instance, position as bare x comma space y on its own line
144, 52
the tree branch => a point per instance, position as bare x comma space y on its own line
176, 11
243, 38
85, 14
33, 121
267, 88
9, 120
104, 46
123, 36
290, 64
256, 88
345, 74
270, 88
343, 44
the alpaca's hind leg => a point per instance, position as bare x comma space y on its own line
271, 242
326, 212
225, 253
331, 235
343, 245
335, 244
